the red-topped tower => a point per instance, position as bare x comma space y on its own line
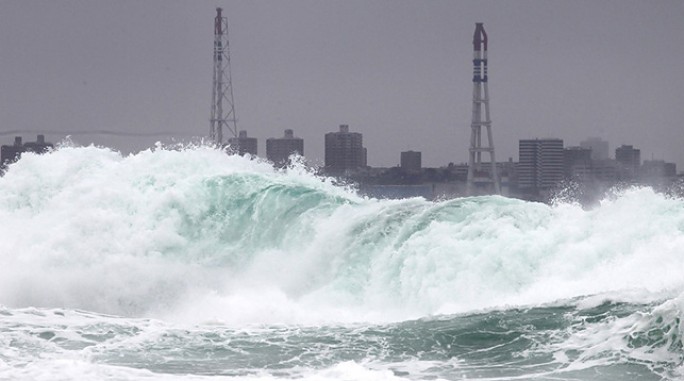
222, 103
481, 180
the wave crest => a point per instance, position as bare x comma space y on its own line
196, 233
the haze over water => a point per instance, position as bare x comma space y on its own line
188, 263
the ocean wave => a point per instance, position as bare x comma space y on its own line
193, 234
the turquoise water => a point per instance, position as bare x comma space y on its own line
192, 264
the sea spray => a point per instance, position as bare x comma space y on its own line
195, 233
189, 263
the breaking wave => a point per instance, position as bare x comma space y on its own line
194, 234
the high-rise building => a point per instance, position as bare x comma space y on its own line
630, 161
599, 148
577, 162
278, 150
411, 161
243, 144
628, 155
605, 170
540, 164
344, 151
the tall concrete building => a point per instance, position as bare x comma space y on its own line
411, 161
344, 151
577, 162
630, 161
278, 150
605, 170
243, 144
540, 165
628, 156
599, 148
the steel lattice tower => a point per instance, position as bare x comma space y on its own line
222, 103
477, 175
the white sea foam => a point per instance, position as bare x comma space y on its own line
67, 369
196, 235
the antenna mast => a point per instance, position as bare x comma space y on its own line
478, 176
222, 103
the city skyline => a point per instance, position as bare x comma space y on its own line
399, 72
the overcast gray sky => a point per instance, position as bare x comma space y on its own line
397, 71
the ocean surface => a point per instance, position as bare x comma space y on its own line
189, 264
